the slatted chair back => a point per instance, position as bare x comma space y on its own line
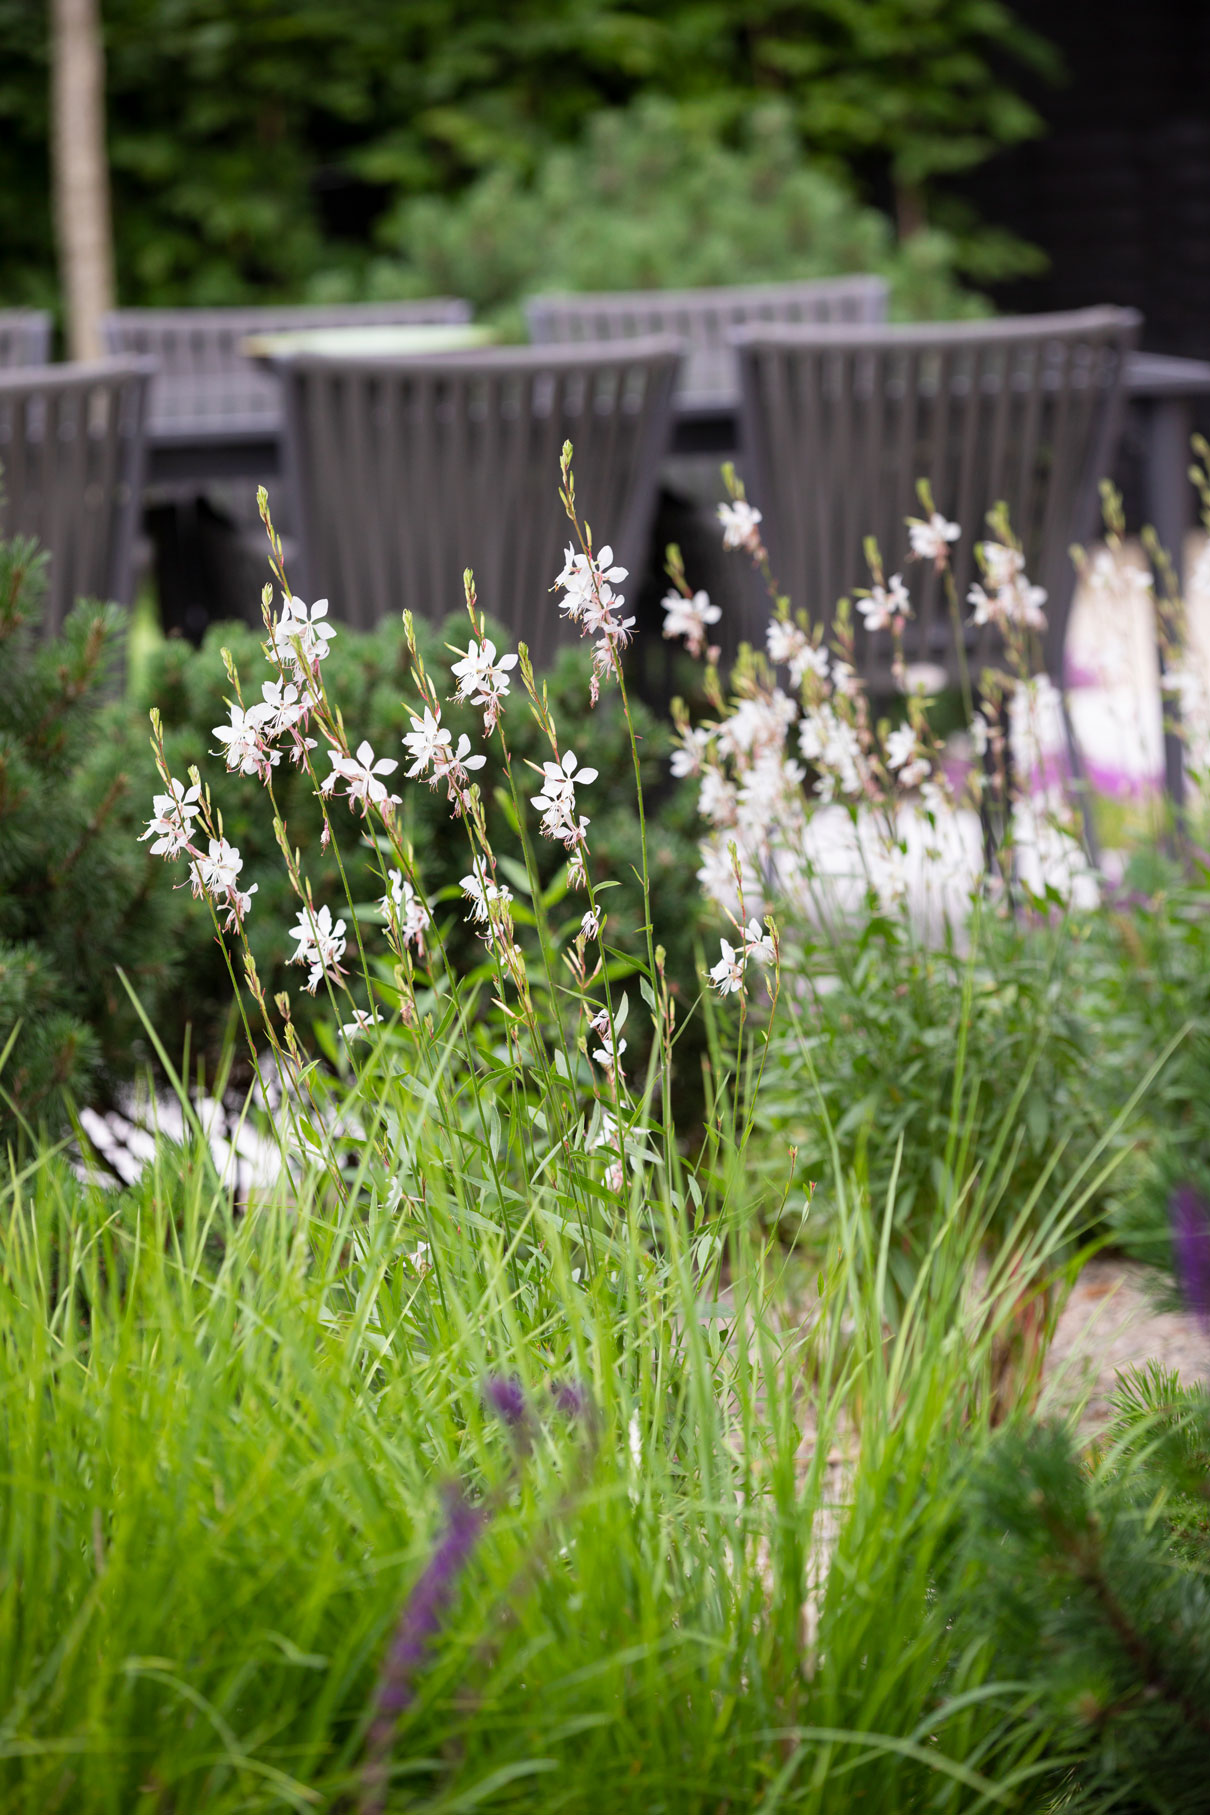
703, 319
838, 425
24, 338
204, 377
71, 472
404, 472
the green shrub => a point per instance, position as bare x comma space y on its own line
1090, 1583
896, 1044
79, 896
654, 196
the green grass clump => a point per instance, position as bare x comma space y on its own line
229, 1437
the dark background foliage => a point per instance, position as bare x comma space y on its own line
260, 149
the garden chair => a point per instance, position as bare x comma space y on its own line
205, 377
404, 472
71, 466
703, 318
838, 424
24, 337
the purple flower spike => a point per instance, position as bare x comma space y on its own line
506, 1397
1191, 1247
570, 1399
419, 1622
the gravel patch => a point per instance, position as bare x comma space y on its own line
1111, 1323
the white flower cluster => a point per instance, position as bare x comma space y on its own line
751, 763
790, 647
360, 774
213, 872
1012, 600
887, 607
689, 618
560, 817
739, 521
430, 744
405, 913
930, 538
830, 742
171, 819
756, 946
300, 638
482, 678
904, 758
320, 944
609, 1054
491, 911
587, 583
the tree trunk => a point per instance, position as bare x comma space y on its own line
81, 171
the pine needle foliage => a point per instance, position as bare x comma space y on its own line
77, 897
1091, 1577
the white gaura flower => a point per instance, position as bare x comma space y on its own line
481, 894
430, 744
482, 679
689, 618
979, 736
320, 944
426, 741
1013, 599
1109, 572
607, 1133
759, 943
717, 797
931, 537
686, 759
245, 738
239, 903
588, 578
590, 925
218, 872
403, 907
832, 744
170, 823
739, 521
288, 707
361, 775
727, 975
900, 746
302, 637
557, 800
451, 765
717, 877
420, 1259
757, 724
609, 1053
217, 875
790, 647
886, 607
769, 803
590, 601
610, 1058
1001, 563
362, 1025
